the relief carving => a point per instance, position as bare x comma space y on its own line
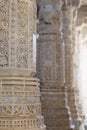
19, 91
22, 47
17, 110
3, 55
48, 52
48, 73
22, 57
4, 33
59, 62
48, 61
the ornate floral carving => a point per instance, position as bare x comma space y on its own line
4, 33
19, 92
17, 110
22, 47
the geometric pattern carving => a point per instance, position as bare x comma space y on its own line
20, 107
21, 123
18, 110
4, 10
59, 62
19, 103
22, 27
52, 63
48, 61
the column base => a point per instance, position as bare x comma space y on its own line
20, 107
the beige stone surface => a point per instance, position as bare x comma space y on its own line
20, 106
55, 63
51, 66
20, 89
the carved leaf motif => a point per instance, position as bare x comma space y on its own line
7, 109
31, 109
17, 109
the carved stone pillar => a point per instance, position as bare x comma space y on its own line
68, 41
51, 66
20, 107
75, 70
80, 21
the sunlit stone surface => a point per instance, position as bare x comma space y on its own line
20, 107
60, 95
61, 64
